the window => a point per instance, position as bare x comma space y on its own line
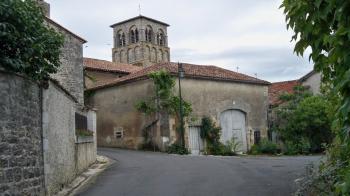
257, 137
134, 35
148, 34
119, 132
160, 38
121, 39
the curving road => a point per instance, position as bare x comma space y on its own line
137, 173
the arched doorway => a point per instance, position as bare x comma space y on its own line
233, 125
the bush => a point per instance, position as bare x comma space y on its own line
264, 147
27, 45
177, 149
300, 147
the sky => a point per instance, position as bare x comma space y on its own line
249, 36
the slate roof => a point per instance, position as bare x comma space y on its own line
107, 66
278, 88
191, 71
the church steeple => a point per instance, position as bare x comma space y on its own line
140, 41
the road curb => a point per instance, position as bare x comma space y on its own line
83, 180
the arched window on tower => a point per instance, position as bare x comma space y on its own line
121, 39
160, 38
148, 34
134, 35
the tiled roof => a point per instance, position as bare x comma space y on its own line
278, 88
102, 65
191, 71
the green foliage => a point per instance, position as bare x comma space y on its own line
303, 122
232, 146
83, 132
324, 27
27, 45
264, 147
211, 134
164, 99
177, 149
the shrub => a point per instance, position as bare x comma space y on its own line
177, 149
264, 147
83, 132
27, 45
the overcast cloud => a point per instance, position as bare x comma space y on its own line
248, 34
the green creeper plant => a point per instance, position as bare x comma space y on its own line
164, 99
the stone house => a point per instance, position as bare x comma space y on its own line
237, 102
41, 150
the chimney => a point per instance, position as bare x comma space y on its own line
45, 7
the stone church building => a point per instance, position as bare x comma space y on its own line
236, 102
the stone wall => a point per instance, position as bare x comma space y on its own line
70, 74
142, 53
62, 154
21, 161
313, 82
116, 109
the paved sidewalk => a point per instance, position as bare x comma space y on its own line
86, 178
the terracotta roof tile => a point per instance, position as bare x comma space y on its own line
102, 65
191, 71
278, 88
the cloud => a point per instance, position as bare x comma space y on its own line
248, 34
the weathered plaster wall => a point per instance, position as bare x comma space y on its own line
208, 98
314, 82
70, 73
116, 110
21, 161
211, 98
63, 158
59, 138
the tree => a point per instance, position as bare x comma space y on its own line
27, 45
303, 121
164, 99
324, 27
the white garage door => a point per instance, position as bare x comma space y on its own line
233, 125
194, 140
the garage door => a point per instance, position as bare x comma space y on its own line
194, 140
233, 125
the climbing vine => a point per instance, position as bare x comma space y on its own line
164, 99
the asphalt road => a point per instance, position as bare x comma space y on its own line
137, 173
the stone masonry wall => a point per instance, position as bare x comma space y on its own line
21, 163
70, 74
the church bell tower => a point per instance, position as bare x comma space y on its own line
140, 41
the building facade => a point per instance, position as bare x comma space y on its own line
140, 41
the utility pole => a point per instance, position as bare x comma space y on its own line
182, 130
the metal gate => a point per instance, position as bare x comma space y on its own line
194, 140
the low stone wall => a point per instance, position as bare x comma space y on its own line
21, 161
